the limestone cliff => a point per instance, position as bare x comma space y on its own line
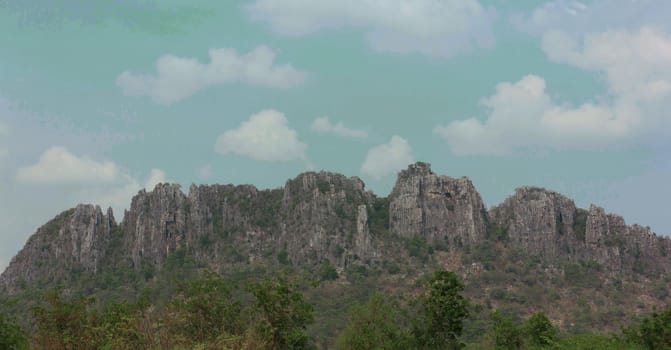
537, 220
75, 241
440, 209
316, 216
323, 218
547, 224
624, 247
320, 216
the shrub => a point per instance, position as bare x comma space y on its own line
356, 273
373, 326
11, 335
327, 272
283, 258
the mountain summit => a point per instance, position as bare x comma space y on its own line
324, 216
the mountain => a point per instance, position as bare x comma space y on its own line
533, 250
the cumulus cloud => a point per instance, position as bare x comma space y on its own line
86, 180
634, 62
523, 116
205, 172
119, 197
264, 136
156, 176
388, 158
432, 27
177, 78
57, 166
635, 66
577, 18
323, 125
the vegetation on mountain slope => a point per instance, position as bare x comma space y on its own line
209, 311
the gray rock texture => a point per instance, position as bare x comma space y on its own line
320, 216
73, 242
537, 220
440, 209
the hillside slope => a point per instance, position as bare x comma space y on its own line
535, 251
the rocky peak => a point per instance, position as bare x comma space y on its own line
597, 229
326, 218
155, 224
72, 242
538, 220
614, 243
440, 209
416, 169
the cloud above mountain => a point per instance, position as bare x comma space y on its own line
431, 27
634, 65
324, 125
177, 78
388, 158
265, 136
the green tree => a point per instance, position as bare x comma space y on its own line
327, 272
539, 330
594, 342
281, 312
120, 325
65, 325
203, 310
504, 333
653, 332
441, 314
373, 326
11, 335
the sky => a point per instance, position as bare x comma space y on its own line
101, 99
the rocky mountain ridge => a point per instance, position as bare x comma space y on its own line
320, 216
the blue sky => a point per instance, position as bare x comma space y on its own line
101, 99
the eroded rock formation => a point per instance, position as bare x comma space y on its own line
440, 209
327, 216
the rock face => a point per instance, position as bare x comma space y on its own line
155, 225
316, 216
617, 245
545, 223
539, 221
326, 216
323, 218
440, 209
75, 241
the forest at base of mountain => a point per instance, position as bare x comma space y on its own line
186, 307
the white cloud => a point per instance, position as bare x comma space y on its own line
177, 78
387, 158
86, 180
634, 62
432, 27
522, 116
57, 166
205, 172
578, 18
323, 125
119, 197
636, 69
265, 136
156, 176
